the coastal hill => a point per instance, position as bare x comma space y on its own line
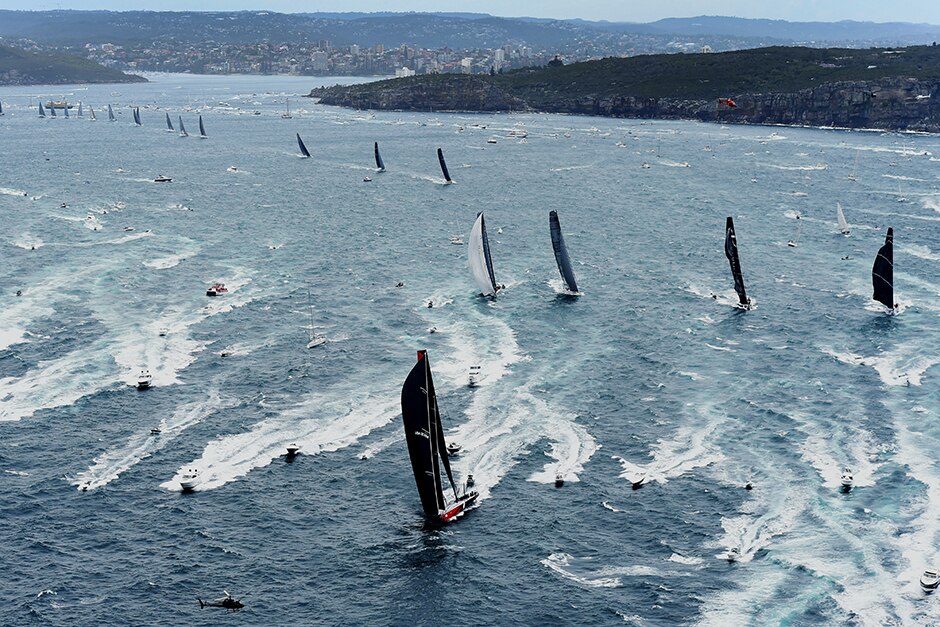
20, 67
889, 88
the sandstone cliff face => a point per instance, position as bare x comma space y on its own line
893, 104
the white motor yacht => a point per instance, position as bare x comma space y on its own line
292, 449
474, 377
189, 479
847, 480
930, 580
144, 379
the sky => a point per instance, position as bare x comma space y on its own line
614, 10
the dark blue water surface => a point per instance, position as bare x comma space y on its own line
645, 372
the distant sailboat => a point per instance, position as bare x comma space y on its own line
799, 231
440, 157
42, 112
169, 124
852, 176
111, 117
287, 115
91, 110
52, 112
843, 225
65, 112
882, 273
183, 132
303, 148
202, 130
314, 338
1, 108
731, 252
80, 110
427, 448
137, 116
481, 263
561, 253
378, 159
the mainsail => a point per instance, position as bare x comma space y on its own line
110, 114
65, 110
303, 148
561, 253
378, 159
882, 272
52, 111
843, 225
202, 129
169, 124
731, 252
1, 108
42, 112
481, 264
91, 110
137, 116
440, 157
425, 436
183, 132
80, 110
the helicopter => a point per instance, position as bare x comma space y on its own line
228, 602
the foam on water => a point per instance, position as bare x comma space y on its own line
690, 448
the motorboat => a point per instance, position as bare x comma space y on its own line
470, 481
367, 179
930, 580
164, 331
847, 480
733, 554
559, 480
128, 229
791, 244
189, 479
292, 449
453, 448
163, 179
155, 431
216, 289
491, 141
456, 240
476, 374
144, 379
637, 480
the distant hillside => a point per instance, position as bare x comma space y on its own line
19, 67
437, 30
880, 88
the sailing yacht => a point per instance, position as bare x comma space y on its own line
379, 164
304, 153
111, 117
1, 108
313, 339
137, 121
731, 252
183, 132
481, 264
169, 124
287, 115
561, 253
440, 158
882, 274
840, 217
42, 112
202, 130
427, 448
852, 176
91, 110
80, 110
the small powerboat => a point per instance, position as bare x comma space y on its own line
453, 448
470, 481
559, 480
216, 289
456, 240
189, 479
155, 431
144, 379
847, 480
930, 580
164, 331
163, 179
491, 141
637, 480
473, 379
733, 554
791, 244
367, 179
292, 449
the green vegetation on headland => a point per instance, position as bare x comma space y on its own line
874, 88
20, 67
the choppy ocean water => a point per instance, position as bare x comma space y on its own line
645, 369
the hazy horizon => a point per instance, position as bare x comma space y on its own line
916, 11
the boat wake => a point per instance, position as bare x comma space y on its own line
689, 449
339, 424
580, 571
904, 366
28, 242
117, 460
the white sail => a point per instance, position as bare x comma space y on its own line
479, 267
843, 225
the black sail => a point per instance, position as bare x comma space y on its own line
561, 253
882, 272
440, 157
169, 124
423, 434
378, 158
731, 252
303, 149
486, 253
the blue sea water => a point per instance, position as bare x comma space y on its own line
644, 372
